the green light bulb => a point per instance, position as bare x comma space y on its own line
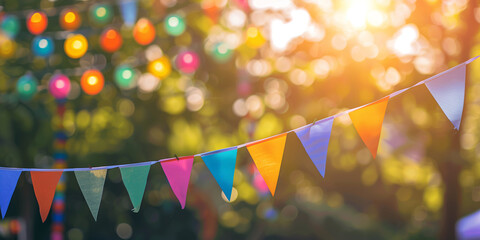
174, 25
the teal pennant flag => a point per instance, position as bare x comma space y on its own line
91, 183
222, 166
8, 180
135, 180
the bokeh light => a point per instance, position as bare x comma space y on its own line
37, 22
70, 19
125, 76
174, 24
27, 86
221, 52
92, 82
7, 46
43, 46
101, 14
59, 86
111, 40
76, 46
187, 62
160, 68
10, 25
144, 32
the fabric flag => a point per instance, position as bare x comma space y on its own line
267, 156
128, 8
8, 180
178, 175
135, 180
315, 139
448, 90
44, 184
91, 183
368, 121
222, 166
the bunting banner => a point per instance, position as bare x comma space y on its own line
8, 180
315, 139
447, 88
91, 185
267, 156
368, 121
44, 184
222, 166
135, 180
449, 91
178, 175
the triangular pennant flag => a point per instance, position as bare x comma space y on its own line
368, 121
135, 180
448, 90
178, 175
315, 139
8, 180
91, 183
129, 9
267, 156
222, 166
44, 185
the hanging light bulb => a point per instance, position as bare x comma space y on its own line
92, 82
101, 13
125, 76
174, 25
42, 46
76, 46
59, 86
70, 19
254, 38
26, 86
221, 52
187, 62
160, 68
10, 25
144, 32
110, 40
37, 22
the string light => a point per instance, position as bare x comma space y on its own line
144, 32
110, 40
26, 87
59, 86
221, 52
101, 13
70, 19
92, 82
7, 46
42, 46
187, 62
254, 38
10, 26
174, 25
37, 22
124, 76
76, 46
160, 68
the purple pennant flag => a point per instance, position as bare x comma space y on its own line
8, 180
315, 139
448, 89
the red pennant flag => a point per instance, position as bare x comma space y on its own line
368, 121
44, 184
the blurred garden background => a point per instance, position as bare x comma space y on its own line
260, 68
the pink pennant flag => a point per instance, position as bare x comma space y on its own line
178, 175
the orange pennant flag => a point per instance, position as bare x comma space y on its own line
267, 156
44, 184
368, 121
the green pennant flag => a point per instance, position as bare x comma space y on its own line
91, 183
135, 180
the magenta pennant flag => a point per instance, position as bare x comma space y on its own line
178, 175
448, 89
315, 139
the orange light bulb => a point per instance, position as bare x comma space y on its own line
92, 82
37, 22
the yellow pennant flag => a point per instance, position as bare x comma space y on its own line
368, 121
267, 156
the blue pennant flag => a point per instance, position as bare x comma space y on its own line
222, 166
315, 139
128, 8
448, 89
8, 180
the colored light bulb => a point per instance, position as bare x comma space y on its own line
101, 13
7, 46
37, 22
160, 68
10, 25
124, 76
110, 40
221, 52
92, 82
26, 86
144, 32
76, 46
187, 62
254, 38
59, 86
174, 25
70, 19
42, 46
